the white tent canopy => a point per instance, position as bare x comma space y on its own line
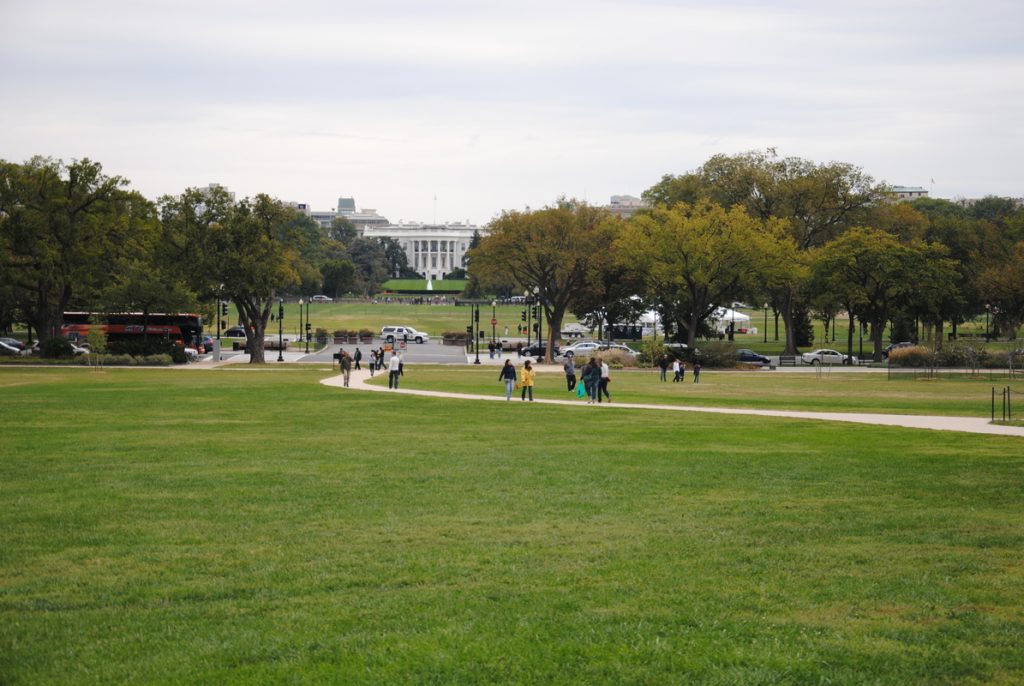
722, 317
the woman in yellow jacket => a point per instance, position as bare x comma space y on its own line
526, 377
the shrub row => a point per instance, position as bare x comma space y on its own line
955, 354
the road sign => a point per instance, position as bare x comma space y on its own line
494, 321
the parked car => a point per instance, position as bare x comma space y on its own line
237, 331
581, 349
746, 355
11, 347
896, 346
321, 299
206, 345
538, 349
392, 334
827, 356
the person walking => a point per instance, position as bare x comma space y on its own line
491, 347
682, 371
345, 362
526, 379
570, 372
394, 369
358, 355
591, 379
675, 371
696, 372
508, 375
663, 365
603, 380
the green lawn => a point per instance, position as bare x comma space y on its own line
434, 319
253, 526
828, 391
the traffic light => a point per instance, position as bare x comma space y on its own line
522, 315
469, 331
535, 312
476, 315
223, 308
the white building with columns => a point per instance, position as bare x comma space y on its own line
433, 250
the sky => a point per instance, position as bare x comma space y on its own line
455, 111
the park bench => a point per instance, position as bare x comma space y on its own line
787, 360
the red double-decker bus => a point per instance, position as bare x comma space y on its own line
186, 329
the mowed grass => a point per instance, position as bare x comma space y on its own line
252, 526
805, 390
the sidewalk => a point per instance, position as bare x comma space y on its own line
962, 424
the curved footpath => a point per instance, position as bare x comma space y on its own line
964, 424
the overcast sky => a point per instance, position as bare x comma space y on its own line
501, 105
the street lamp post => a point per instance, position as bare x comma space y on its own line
766, 322
540, 323
987, 309
300, 321
529, 316
309, 329
476, 332
280, 330
494, 320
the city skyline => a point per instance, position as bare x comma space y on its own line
487, 108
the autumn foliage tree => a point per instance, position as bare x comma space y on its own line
552, 250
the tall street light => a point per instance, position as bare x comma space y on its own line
494, 320
300, 322
476, 333
309, 329
987, 309
766, 322
540, 324
529, 315
280, 330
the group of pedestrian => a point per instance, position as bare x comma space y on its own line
395, 365
526, 379
376, 359
678, 370
495, 349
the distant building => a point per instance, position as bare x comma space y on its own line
210, 187
433, 250
347, 209
626, 206
908, 193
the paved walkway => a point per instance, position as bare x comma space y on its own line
963, 424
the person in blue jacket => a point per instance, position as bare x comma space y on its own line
508, 375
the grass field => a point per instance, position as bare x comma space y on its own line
825, 392
252, 526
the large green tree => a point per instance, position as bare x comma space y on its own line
818, 201
247, 252
875, 275
63, 229
549, 251
694, 258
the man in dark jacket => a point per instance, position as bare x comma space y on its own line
570, 373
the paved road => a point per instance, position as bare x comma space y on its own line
962, 424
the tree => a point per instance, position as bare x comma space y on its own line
875, 275
339, 276
694, 258
819, 201
62, 227
1003, 285
609, 293
396, 259
342, 230
244, 251
371, 264
550, 250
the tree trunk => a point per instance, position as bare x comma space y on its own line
786, 310
849, 338
877, 329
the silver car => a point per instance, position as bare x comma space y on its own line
827, 356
